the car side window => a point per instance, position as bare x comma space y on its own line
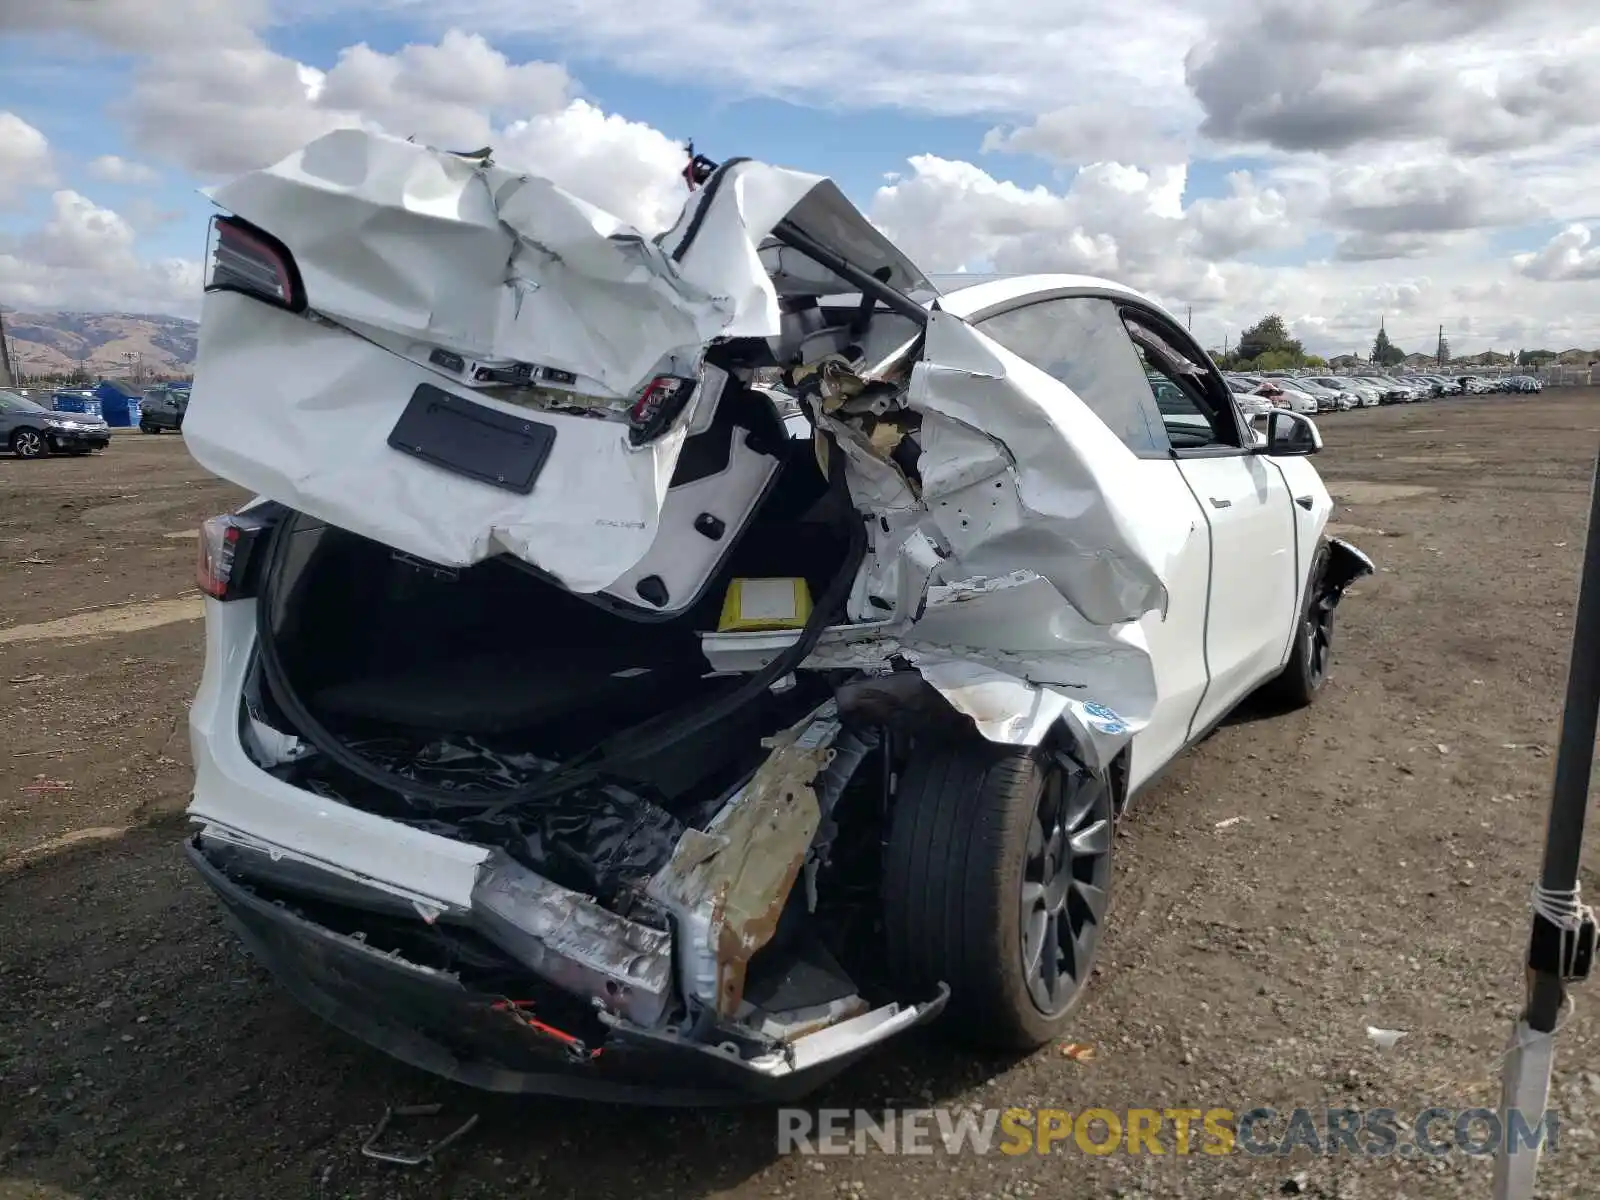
1081, 341
1191, 418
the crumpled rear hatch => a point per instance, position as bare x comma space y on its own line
460, 360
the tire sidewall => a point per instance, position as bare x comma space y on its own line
1319, 567
1039, 1026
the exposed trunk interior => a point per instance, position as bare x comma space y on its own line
484, 679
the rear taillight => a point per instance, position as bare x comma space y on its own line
228, 566
242, 258
660, 404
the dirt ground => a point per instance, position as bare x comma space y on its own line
1289, 883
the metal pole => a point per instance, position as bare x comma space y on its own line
1569, 795
1525, 1086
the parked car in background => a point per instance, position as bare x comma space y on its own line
1300, 400
1413, 388
1524, 383
1251, 405
1389, 392
1328, 399
30, 430
1362, 394
162, 407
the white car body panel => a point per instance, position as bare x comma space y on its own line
420, 250
1065, 578
239, 800
1252, 574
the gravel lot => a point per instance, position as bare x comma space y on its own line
1287, 884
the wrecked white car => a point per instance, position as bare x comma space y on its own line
572, 722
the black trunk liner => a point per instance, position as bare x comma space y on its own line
484, 694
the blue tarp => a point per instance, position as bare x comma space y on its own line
118, 405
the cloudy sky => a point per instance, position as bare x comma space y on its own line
1427, 161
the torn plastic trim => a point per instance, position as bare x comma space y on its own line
436, 1023
837, 1044
1345, 565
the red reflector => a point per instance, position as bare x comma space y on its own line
218, 538
664, 398
657, 393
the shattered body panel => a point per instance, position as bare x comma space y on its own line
474, 372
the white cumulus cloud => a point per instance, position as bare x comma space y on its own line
112, 169
25, 160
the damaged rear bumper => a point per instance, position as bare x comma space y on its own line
431, 1020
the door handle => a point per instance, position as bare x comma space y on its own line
1304, 502
1220, 502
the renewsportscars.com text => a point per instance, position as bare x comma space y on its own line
1366, 1133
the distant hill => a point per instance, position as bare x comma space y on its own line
59, 342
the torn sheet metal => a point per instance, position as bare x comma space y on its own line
1010, 653
1019, 474
1031, 538
728, 884
1013, 655
404, 250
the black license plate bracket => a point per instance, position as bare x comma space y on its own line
474, 441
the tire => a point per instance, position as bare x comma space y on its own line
146, 427
962, 896
29, 443
1312, 653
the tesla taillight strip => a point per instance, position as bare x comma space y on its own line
246, 260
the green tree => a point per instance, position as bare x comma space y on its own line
1267, 335
1317, 361
1384, 352
1278, 360
1534, 358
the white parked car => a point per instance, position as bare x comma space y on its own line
1328, 399
1285, 395
1362, 395
567, 726
1251, 405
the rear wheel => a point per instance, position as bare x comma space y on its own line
29, 443
997, 882
147, 427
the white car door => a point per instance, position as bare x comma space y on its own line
1255, 569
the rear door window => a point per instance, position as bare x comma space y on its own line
1081, 341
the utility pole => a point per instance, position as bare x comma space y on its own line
8, 375
1191, 318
